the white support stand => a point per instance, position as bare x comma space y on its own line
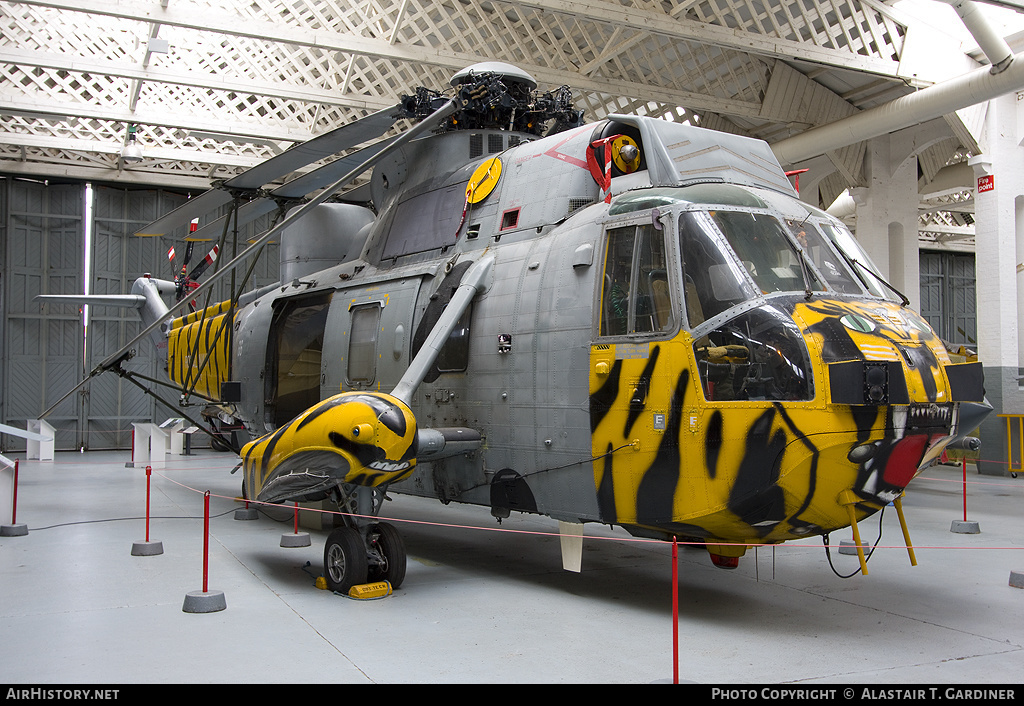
174, 428
159, 443
6, 490
40, 449
186, 435
149, 444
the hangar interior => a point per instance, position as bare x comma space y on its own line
208, 89
903, 118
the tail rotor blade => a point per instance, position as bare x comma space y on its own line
188, 255
199, 269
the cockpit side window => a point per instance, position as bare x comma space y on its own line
635, 295
829, 263
864, 269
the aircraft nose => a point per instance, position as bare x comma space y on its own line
972, 414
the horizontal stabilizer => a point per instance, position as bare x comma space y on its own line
132, 301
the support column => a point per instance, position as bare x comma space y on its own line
887, 217
999, 215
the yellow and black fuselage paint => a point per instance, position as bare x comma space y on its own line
361, 438
676, 460
198, 350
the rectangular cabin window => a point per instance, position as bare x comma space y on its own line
635, 295
362, 344
454, 354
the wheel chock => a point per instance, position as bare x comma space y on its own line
378, 589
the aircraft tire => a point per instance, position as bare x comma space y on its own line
345, 563
392, 548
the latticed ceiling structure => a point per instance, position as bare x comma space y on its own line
215, 86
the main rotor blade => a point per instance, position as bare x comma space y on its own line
246, 214
296, 157
430, 122
295, 189
181, 216
321, 177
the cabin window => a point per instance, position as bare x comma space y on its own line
454, 354
635, 294
362, 344
295, 349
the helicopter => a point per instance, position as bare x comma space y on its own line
632, 322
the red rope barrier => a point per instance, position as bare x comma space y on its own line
793, 544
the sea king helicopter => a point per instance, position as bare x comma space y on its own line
633, 322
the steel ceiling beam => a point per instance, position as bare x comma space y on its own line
189, 15
179, 77
665, 25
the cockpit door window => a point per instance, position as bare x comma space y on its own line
635, 294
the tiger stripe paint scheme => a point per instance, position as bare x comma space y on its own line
204, 330
361, 438
753, 472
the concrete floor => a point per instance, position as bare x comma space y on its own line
484, 606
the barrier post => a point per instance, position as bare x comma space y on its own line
206, 541
14, 529
965, 526
296, 538
147, 548
675, 611
205, 601
965, 490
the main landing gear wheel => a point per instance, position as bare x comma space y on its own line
391, 548
345, 563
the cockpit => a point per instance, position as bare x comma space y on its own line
746, 256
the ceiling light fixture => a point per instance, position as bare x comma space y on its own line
131, 152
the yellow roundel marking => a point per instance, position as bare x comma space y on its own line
483, 180
626, 166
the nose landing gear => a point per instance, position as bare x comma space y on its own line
363, 550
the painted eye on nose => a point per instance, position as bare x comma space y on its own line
856, 322
363, 432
